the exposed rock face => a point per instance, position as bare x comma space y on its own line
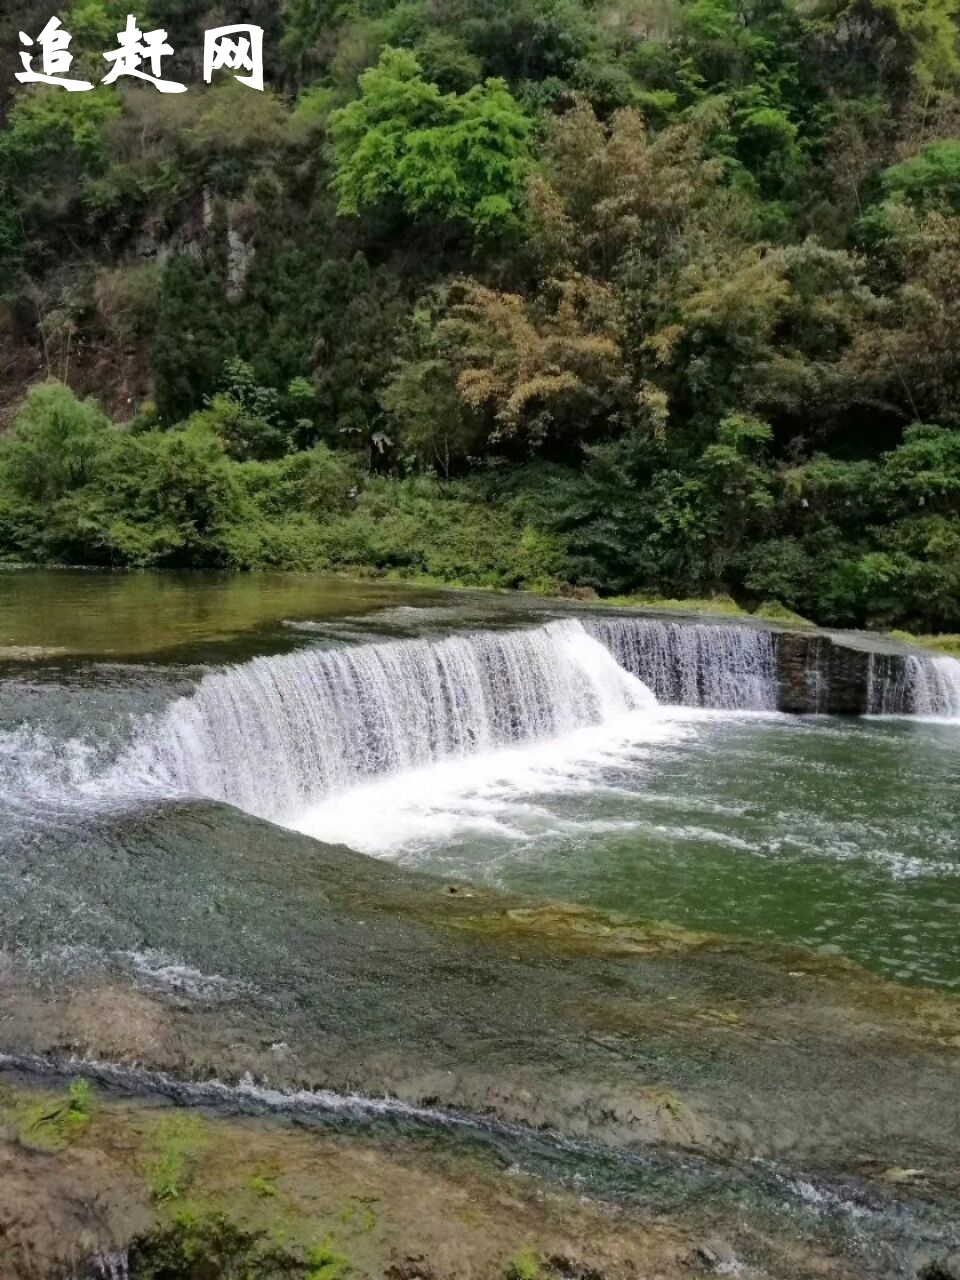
857, 673
819, 674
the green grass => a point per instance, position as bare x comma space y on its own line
706, 604
54, 1123
721, 605
949, 644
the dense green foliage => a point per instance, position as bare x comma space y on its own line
643, 298
459, 157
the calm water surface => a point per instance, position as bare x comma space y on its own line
71, 613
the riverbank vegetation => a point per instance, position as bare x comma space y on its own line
643, 298
259, 1199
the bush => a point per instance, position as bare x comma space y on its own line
55, 445
420, 528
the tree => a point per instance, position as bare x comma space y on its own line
172, 498
461, 157
55, 445
605, 191
551, 373
193, 337
429, 420
910, 358
761, 330
929, 180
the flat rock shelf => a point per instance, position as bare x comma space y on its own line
357, 932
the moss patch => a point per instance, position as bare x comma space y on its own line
525, 1266
721, 604
326, 1263
176, 1146
774, 611
54, 1122
581, 931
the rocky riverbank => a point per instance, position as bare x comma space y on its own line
135, 1188
345, 1031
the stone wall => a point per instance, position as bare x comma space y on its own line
829, 675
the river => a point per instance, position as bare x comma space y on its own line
491, 739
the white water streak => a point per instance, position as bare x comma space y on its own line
730, 668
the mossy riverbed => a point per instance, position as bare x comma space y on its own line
154, 1191
450, 1079
99, 1184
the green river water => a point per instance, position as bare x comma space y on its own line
840, 835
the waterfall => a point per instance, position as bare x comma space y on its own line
278, 734
915, 685
733, 668
111, 1266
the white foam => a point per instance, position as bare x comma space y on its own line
278, 735
167, 973
502, 794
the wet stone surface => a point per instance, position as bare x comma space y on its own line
305, 965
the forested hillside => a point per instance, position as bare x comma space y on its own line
655, 295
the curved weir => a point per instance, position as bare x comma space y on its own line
280, 733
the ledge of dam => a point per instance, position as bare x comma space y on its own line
846, 673
750, 664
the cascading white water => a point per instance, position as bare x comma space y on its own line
278, 734
944, 688
732, 668
915, 686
